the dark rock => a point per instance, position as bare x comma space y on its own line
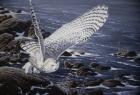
68, 65
94, 64
2, 8
4, 61
14, 44
112, 83
4, 11
13, 24
4, 17
121, 52
84, 71
66, 54
77, 65
45, 34
94, 92
99, 67
93, 82
137, 60
16, 78
19, 11
4, 40
71, 83
131, 54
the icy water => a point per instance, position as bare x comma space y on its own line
122, 30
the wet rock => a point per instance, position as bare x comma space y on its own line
4, 11
4, 40
13, 79
112, 83
102, 67
4, 17
13, 24
99, 67
68, 65
19, 11
93, 82
94, 92
121, 52
77, 65
66, 54
131, 54
137, 60
45, 33
94, 64
84, 71
4, 61
14, 44
2, 8
72, 84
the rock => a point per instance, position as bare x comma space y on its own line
126, 53
4, 17
131, 54
94, 64
68, 65
93, 82
45, 33
4, 11
121, 52
112, 83
13, 24
66, 54
137, 60
4, 40
77, 65
99, 67
84, 71
72, 84
14, 44
19, 11
2, 8
14, 79
95, 92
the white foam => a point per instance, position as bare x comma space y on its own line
124, 63
113, 68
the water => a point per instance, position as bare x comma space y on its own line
121, 31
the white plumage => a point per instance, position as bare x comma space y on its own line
77, 31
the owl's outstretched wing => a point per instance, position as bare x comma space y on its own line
75, 32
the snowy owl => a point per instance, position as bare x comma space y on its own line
45, 53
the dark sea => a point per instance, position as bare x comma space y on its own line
122, 30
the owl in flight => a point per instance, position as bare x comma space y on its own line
44, 53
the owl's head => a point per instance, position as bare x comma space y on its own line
50, 65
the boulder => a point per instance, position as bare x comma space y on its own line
131, 54
99, 67
93, 82
4, 40
112, 83
4, 17
4, 11
137, 60
13, 24
94, 92
68, 65
13, 80
72, 84
84, 71
66, 54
